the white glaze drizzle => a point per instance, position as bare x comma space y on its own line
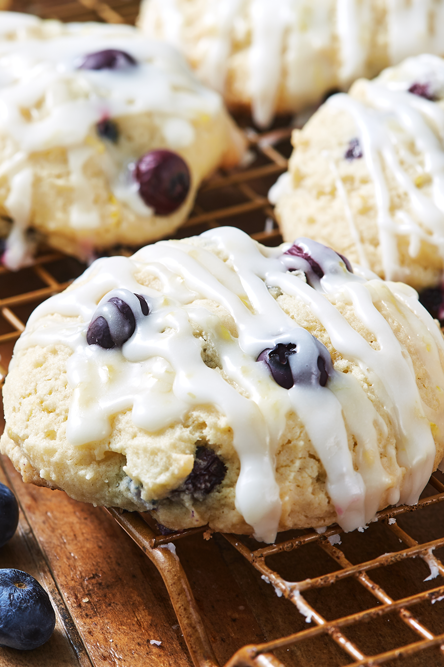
159, 372
214, 67
353, 20
297, 37
46, 102
363, 261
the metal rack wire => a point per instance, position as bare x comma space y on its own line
239, 198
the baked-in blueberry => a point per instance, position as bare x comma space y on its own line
207, 473
164, 180
114, 321
301, 250
305, 361
143, 304
278, 363
107, 59
354, 150
108, 129
315, 260
9, 514
422, 90
27, 619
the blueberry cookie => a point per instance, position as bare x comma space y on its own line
214, 380
104, 136
282, 56
367, 176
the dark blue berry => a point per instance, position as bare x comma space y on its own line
354, 150
277, 361
207, 473
163, 530
298, 250
314, 259
164, 180
98, 334
422, 90
304, 362
27, 619
9, 514
108, 129
346, 262
107, 59
143, 304
114, 322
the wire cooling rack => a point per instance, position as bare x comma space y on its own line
346, 587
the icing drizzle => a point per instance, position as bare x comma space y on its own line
295, 39
160, 375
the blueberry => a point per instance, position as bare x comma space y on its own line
354, 150
164, 180
163, 530
314, 259
298, 250
108, 129
277, 361
433, 300
9, 514
98, 334
347, 263
143, 304
114, 322
27, 619
207, 473
422, 90
107, 59
305, 362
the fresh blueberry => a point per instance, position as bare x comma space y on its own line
354, 150
27, 619
164, 180
107, 129
114, 322
433, 300
422, 90
107, 59
305, 362
314, 259
207, 473
9, 514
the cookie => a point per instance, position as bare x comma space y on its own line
366, 174
217, 381
280, 57
104, 136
